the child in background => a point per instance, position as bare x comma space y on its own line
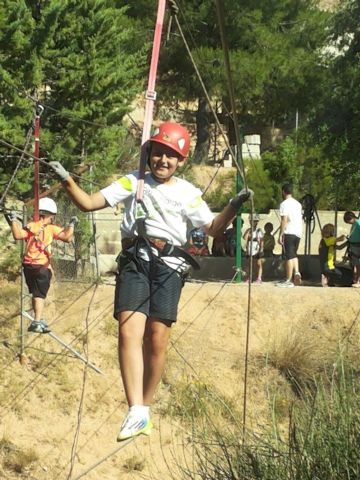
198, 243
36, 262
255, 249
329, 273
269, 240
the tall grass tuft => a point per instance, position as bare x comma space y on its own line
322, 441
300, 355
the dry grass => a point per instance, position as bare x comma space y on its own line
300, 353
134, 464
15, 459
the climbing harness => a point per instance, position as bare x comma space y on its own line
163, 247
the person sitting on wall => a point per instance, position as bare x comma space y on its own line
198, 243
254, 238
218, 246
331, 274
268, 240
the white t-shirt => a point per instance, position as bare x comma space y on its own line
257, 236
169, 207
292, 209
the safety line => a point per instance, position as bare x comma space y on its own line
102, 460
220, 15
12, 178
22, 94
228, 146
172, 345
82, 397
92, 324
10, 145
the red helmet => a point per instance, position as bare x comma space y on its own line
172, 135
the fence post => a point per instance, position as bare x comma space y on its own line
93, 222
22, 306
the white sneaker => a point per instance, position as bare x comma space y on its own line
285, 284
297, 278
133, 425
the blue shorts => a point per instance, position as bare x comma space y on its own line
149, 287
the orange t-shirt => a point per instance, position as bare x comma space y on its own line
38, 242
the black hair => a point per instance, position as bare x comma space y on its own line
269, 225
287, 188
349, 216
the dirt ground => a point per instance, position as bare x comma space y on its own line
50, 407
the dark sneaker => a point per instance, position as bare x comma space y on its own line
45, 327
39, 327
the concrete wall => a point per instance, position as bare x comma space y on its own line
109, 242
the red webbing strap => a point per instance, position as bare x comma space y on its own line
38, 112
36, 167
150, 97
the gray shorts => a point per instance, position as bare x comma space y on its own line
354, 254
151, 288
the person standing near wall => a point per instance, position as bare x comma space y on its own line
290, 235
354, 245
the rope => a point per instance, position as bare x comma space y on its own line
82, 397
12, 178
207, 95
102, 460
220, 15
21, 394
10, 145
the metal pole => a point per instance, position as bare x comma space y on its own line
66, 345
239, 186
336, 211
94, 230
22, 321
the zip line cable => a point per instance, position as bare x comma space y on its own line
220, 15
91, 325
82, 397
12, 178
186, 362
207, 96
10, 145
22, 94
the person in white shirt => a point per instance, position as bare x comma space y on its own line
289, 236
152, 262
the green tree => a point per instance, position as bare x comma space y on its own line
335, 123
282, 165
79, 58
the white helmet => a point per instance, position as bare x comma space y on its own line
47, 205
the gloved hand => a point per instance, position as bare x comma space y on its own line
241, 198
73, 221
10, 216
174, 9
59, 170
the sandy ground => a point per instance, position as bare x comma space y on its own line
40, 401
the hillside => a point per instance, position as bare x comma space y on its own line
40, 400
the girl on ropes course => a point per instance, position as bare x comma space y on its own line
36, 261
152, 264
